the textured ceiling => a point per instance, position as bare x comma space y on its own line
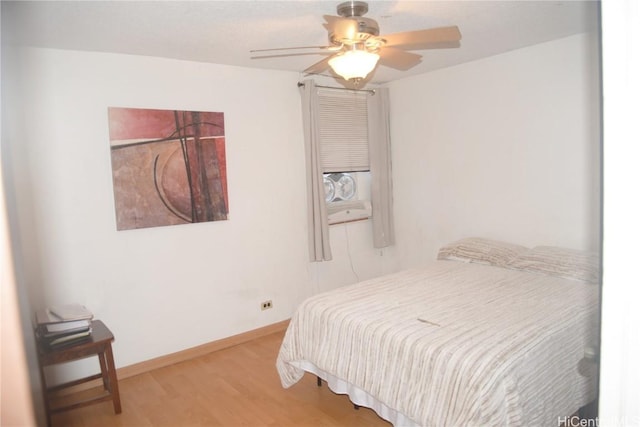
224, 32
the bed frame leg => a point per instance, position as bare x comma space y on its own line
319, 383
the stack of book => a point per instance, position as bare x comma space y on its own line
63, 325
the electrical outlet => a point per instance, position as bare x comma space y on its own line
266, 305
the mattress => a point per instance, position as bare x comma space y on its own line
452, 344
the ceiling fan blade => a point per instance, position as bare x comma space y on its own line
424, 39
331, 21
319, 66
291, 48
286, 55
341, 28
398, 59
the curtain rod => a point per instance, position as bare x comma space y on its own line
371, 91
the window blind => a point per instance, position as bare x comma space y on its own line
343, 130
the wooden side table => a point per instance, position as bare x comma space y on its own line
98, 344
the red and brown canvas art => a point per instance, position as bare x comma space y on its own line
169, 167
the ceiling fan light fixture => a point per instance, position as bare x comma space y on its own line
354, 64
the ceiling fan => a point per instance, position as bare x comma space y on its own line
356, 46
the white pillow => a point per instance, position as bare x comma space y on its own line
560, 262
481, 251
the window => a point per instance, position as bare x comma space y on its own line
344, 139
345, 110
344, 154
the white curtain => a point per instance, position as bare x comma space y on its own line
319, 246
380, 164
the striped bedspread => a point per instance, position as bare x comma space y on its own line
454, 344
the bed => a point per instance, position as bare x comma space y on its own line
490, 333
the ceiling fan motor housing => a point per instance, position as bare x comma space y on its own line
352, 8
353, 30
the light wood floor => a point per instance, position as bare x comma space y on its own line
237, 386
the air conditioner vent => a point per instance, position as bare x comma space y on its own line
349, 210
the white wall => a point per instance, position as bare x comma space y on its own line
165, 289
506, 147
15, 394
620, 371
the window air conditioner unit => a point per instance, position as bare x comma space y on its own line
348, 210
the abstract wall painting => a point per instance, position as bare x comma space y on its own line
169, 167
